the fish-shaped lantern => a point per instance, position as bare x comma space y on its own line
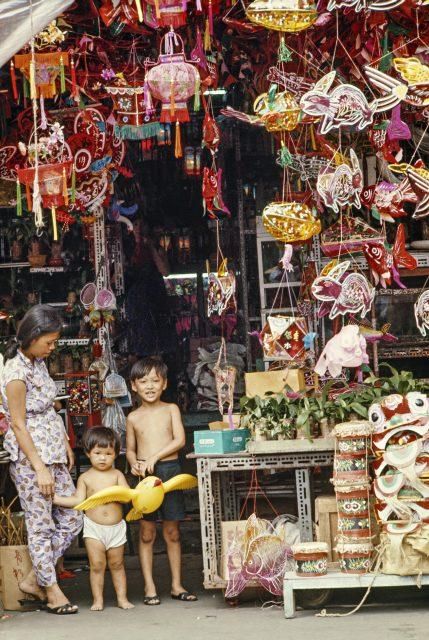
387, 199
212, 192
345, 104
359, 5
349, 293
341, 185
371, 334
421, 312
414, 73
384, 264
418, 177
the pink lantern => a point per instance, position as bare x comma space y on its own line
173, 80
169, 13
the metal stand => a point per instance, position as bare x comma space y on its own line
218, 498
337, 580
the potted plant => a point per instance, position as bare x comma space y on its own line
268, 418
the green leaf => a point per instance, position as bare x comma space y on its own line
359, 409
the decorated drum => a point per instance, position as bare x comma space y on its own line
354, 526
353, 436
311, 558
350, 466
353, 500
355, 557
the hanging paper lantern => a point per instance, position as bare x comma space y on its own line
283, 337
42, 79
173, 80
133, 121
290, 221
169, 13
291, 16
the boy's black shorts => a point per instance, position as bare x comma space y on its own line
173, 506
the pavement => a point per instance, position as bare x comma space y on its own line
391, 614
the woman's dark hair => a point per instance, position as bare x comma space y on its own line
38, 321
143, 367
101, 437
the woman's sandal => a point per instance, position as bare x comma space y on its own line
185, 596
152, 601
63, 610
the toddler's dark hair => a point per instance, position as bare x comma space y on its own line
144, 366
101, 437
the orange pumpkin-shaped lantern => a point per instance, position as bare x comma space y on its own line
173, 80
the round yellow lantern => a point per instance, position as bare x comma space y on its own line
281, 113
290, 16
290, 221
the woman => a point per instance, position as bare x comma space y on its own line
41, 456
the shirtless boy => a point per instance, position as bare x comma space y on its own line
104, 529
155, 434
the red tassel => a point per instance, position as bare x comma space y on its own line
178, 153
211, 17
13, 80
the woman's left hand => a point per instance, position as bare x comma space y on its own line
70, 458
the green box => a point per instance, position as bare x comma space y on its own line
224, 441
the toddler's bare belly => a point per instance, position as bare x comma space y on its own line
106, 514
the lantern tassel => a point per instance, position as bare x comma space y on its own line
172, 101
13, 80
211, 17
139, 10
43, 119
33, 89
73, 186
54, 224
73, 77
157, 11
18, 198
62, 76
207, 41
197, 92
28, 196
178, 153
313, 138
65, 191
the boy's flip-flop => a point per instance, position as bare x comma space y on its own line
185, 596
63, 610
152, 601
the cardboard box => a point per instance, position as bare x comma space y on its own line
220, 425
230, 531
259, 383
218, 442
15, 564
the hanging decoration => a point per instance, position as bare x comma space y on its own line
385, 264
290, 221
413, 72
346, 105
349, 293
418, 179
421, 312
386, 200
221, 291
132, 120
173, 80
360, 5
290, 16
347, 236
225, 376
282, 337
341, 185
347, 349
277, 111
212, 192
42, 79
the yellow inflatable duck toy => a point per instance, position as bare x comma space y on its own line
147, 497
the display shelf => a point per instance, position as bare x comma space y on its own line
14, 265
338, 580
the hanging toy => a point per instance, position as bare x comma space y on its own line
386, 200
385, 264
47, 68
350, 293
421, 312
360, 5
341, 185
414, 72
418, 177
290, 16
290, 221
346, 105
225, 376
212, 192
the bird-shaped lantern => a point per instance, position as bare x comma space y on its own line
146, 498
